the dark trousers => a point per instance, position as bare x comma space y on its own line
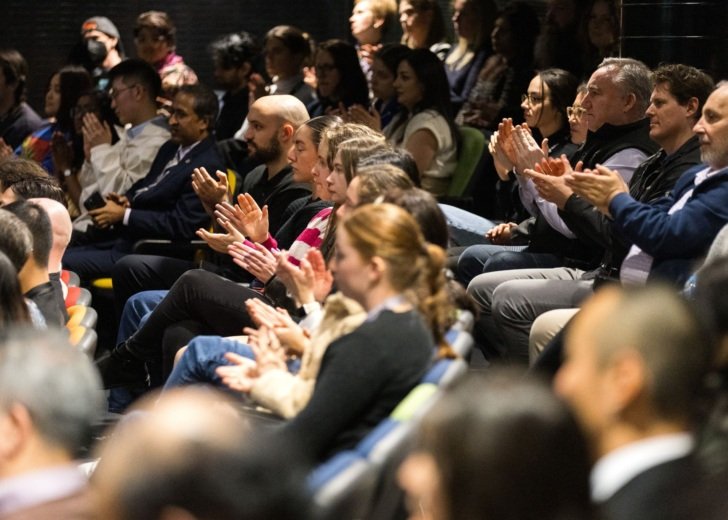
199, 302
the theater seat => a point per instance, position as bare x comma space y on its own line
78, 296
84, 340
70, 278
81, 315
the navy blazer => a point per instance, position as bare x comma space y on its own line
169, 208
679, 239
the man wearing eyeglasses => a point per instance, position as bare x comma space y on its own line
109, 168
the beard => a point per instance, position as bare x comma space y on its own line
267, 153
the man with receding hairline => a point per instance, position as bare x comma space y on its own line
635, 365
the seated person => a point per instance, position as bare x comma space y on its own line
34, 276
163, 204
17, 119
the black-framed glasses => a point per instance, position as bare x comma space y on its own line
532, 99
575, 112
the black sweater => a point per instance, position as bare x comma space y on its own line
363, 376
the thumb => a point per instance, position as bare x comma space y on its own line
264, 212
579, 166
545, 146
222, 177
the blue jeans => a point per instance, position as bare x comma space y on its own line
487, 258
203, 355
466, 229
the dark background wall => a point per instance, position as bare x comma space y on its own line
44, 31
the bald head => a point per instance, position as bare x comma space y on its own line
287, 108
190, 456
62, 228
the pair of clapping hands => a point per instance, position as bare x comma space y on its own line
514, 148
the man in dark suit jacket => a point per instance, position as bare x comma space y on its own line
634, 367
162, 204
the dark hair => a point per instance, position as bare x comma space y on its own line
436, 32
319, 124
524, 26
562, 90
391, 54
292, 38
518, 432
15, 169
399, 157
104, 111
39, 187
685, 82
205, 103
39, 225
423, 206
73, 81
159, 23
138, 71
235, 49
15, 239
13, 310
15, 70
352, 88
431, 75
486, 12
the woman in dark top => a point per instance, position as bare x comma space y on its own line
340, 80
384, 264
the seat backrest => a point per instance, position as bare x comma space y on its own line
472, 144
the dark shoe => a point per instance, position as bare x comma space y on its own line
120, 368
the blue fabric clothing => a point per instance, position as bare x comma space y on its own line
675, 241
465, 228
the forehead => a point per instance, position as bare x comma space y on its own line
324, 56
602, 78
96, 35
662, 90
718, 102
183, 101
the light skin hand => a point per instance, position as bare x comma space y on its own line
258, 261
527, 150
278, 320
95, 133
503, 164
501, 234
248, 217
5, 150
598, 186
62, 153
210, 191
548, 177
241, 375
310, 282
370, 118
218, 242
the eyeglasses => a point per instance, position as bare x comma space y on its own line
531, 98
575, 112
115, 93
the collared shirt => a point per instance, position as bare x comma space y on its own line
134, 131
637, 264
32, 489
617, 468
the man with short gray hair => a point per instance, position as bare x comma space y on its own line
49, 397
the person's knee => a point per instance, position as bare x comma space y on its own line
509, 301
470, 263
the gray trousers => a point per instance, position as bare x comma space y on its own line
510, 301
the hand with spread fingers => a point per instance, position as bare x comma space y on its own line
598, 186
257, 260
240, 375
290, 333
528, 152
549, 179
360, 114
247, 217
94, 132
503, 165
310, 282
210, 191
218, 242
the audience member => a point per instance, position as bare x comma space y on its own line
155, 39
506, 73
116, 167
519, 435
559, 43
634, 367
473, 22
233, 56
600, 32
369, 21
160, 205
99, 50
33, 186
17, 119
577, 116
340, 82
64, 88
186, 456
49, 399
35, 278
425, 126
287, 51
423, 26
14, 310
